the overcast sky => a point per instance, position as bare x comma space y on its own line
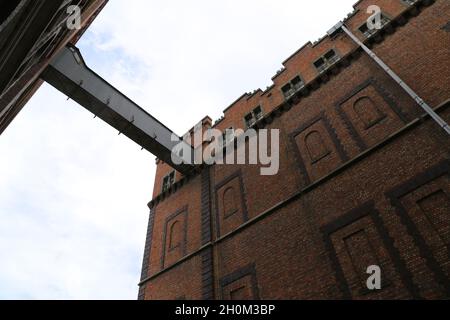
73, 193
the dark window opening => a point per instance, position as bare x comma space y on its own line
323, 63
168, 181
364, 29
287, 90
254, 116
320, 63
297, 82
228, 136
249, 120
292, 87
258, 113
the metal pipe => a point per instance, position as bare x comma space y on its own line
441, 122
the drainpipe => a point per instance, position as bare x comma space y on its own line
441, 122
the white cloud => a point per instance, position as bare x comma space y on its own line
73, 194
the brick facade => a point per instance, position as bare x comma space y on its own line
364, 179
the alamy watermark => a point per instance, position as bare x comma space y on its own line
213, 146
374, 22
374, 281
73, 21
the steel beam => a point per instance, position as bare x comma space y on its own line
69, 74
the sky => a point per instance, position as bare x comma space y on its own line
73, 193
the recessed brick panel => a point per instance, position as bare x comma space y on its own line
429, 208
175, 238
358, 240
403, 230
424, 207
231, 210
318, 148
370, 114
240, 285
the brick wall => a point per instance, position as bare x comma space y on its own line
364, 179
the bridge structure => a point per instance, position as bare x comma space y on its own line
37, 44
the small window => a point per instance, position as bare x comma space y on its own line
320, 64
254, 116
323, 63
249, 120
168, 181
297, 82
330, 55
258, 113
292, 87
228, 136
287, 90
364, 29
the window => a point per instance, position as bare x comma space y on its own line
253, 117
228, 136
288, 91
168, 181
364, 29
258, 113
320, 64
249, 120
292, 87
297, 82
323, 63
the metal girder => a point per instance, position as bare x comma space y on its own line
69, 74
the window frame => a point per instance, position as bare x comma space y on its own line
327, 62
370, 33
293, 88
254, 118
166, 185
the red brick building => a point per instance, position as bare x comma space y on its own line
364, 178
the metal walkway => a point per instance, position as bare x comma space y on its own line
69, 74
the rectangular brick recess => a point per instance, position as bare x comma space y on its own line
380, 181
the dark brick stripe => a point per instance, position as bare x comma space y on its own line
207, 255
147, 251
206, 207
207, 275
426, 252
